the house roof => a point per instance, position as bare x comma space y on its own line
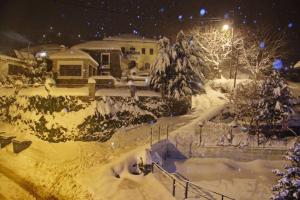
44, 47
297, 65
73, 54
9, 58
97, 45
129, 38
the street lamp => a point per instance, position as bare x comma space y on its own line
226, 27
200, 124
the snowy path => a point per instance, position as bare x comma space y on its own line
16, 185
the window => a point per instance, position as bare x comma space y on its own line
151, 51
147, 66
123, 49
132, 64
70, 70
105, 59
132, 49
143, 51
15, 69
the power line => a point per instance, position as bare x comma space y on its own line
127, 13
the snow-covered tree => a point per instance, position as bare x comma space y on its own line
33, 72
248, 49
173, 72
213, 47
161, 66
288, 185
183, 78
274, 99
259, 48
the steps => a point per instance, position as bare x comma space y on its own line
18, 145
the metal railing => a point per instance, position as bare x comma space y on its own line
183, 188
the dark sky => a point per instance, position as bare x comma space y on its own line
72, 21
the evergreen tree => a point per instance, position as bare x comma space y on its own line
183, 79
161, 66
274, 99
288, 186
173, 73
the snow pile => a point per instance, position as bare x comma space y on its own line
119, 179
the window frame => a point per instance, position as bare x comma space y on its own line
70, 76
151, 51
107, 66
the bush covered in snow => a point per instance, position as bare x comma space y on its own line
62, 118
288, 185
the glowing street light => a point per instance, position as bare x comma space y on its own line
226, 27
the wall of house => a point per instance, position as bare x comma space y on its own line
141, 59
115, 60
3, 68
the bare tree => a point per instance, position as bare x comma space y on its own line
259, 48
213, 46
249, 49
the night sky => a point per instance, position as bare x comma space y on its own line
71, 21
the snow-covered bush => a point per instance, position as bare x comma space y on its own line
288, 185
62, 118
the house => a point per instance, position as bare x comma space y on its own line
39, 51
11, 66
72, 67
121, 54
138, 52
106, 54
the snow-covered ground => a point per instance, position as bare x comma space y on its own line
80, 170
238, 180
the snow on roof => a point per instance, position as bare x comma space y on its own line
97, 45
9, 58
297, 65
73, 54
44, 47
129, 38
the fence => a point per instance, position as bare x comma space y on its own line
157, 133
182, 188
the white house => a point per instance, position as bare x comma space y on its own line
137, 51
72, 67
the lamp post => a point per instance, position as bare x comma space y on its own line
226, 27
200, 132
